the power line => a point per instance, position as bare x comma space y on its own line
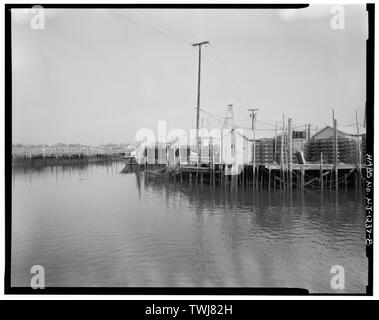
222, 77
211, 113
218, 117
227, 81
235, 89
146, 27
182, 33
225, 76
239, 127
266, 123
227, 71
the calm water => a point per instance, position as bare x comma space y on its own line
90, 225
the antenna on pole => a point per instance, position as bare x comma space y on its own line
199, 44
229, 118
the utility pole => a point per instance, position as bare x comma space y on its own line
253, 116
199, 44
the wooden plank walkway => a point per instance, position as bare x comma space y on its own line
313, 166
192, 169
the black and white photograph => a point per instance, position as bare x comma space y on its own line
191, 149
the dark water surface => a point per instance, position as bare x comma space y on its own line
91, 226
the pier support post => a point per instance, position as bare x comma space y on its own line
212, 175
335, 153
336, 175
321, 172
269, 178
302, 173
290, 153
356, 178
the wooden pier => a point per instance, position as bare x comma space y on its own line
292, 159
269, 176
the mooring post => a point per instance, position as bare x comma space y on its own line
214, 175
359, 154
336, 176
335, 148
290, 152
282, 156
257, 177
269, 177
356, 178
223, 177
302, 173
299, 179
286, 184
274, 179
321, 172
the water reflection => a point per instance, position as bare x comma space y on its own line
89, 225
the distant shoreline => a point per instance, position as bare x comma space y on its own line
48, 161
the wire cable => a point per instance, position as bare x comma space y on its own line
117, 14
223, 79
183, 34
214, 53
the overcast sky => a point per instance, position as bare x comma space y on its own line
97, 76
